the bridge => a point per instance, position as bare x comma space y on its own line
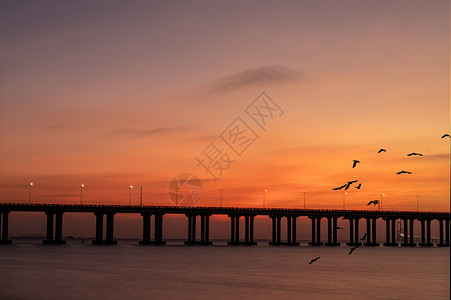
55, 212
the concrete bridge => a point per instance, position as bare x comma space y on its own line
55, 212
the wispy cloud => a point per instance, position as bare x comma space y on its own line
262, 75
133, 132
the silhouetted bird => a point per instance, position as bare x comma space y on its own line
353, 248
371, 202
358, 187
414, 153
313, 260
355, 162
339, 188
381, 150
338, 227
404, 172
349, 184
364, 237
446, 135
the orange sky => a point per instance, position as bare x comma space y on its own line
116, 95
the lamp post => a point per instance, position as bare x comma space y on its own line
29, 191
220, 197
264, 197
380, 202
176, 195
417, 202
81, 193
130, 194
344, 196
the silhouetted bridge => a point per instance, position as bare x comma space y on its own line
54, 213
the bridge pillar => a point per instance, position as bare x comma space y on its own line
408, 233
204, 230
158, 226
291, 231
234, 230
351, 232
442, 243
275, 230
371, 232
248, 231
447, 233
332, 232
58, 229
110, 229
425, 233
4, 228
99, 228
146, 229
390, 233
316, 231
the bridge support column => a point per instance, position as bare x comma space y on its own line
276, 220
234, 230
249, 231
146, 229
158, 226
351, 232
4, 228
191, 229
408, 233
99, 228
57, 238
371, 232
110, 229
316, 231
442, 242
390, 233
332, 232
425, 233
291, 231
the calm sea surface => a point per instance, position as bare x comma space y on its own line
130, 271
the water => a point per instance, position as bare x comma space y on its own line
130, 271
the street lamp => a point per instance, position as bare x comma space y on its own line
417, 201
344, 195
380, 202
29, 192
176, 195
130, 194
220, 197
81, 193
264, 197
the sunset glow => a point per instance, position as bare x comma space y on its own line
119, 94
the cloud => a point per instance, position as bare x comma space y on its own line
256, 76
146, 132
54, 127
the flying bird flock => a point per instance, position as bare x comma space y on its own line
374, 202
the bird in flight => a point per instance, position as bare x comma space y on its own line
340, 187
358, 187
353, 248
363, 237
338, 227
404, 172
374, 202
415, 154
381, 150
446, 135
349, 184
313, 260
355, 162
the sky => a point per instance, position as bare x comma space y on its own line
113, 94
